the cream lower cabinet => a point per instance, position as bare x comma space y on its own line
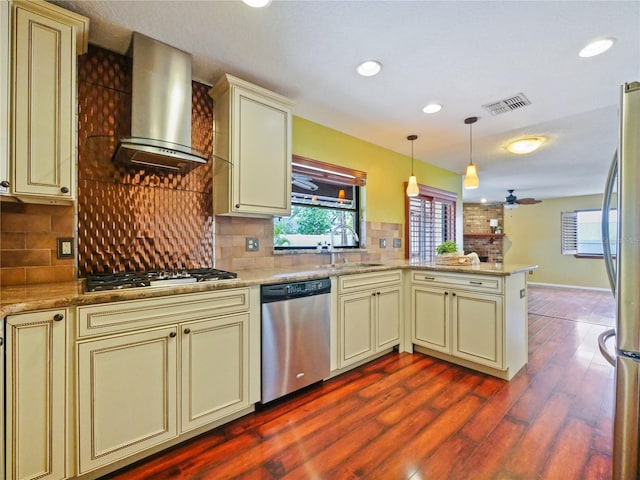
46, 41
215, 369
127, 395
36, 402
477, 321
142, 387
370, 309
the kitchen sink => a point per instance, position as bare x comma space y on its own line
346, 266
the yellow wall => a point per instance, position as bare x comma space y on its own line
386, 170
533, 237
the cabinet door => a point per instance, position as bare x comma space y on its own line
5, 40
215, 369
126, 395
44, 100
430, 318
388, 317
262, 155
36, 395
356, 335
477, 328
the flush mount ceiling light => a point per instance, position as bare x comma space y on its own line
432, 108
369, 68
597, 47
257, 3
525, 145
471, 179
412, 187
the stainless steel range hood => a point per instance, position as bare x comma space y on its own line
160, 108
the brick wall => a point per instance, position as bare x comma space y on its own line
476, 221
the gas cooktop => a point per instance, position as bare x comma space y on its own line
154, 278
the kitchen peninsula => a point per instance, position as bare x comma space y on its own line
196, 348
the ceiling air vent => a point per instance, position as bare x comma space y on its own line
507, 104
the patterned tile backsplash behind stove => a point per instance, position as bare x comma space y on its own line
134, 219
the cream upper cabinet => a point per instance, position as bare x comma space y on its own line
369, 313
46, 41
36, 369
5, 67
252, 150
477, 321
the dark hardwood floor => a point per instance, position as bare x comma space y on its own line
414, 417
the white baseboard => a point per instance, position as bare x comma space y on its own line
556, 285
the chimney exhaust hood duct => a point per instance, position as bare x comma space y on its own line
160, 108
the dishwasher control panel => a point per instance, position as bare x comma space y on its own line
285, 291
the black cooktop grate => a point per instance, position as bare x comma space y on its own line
120, 280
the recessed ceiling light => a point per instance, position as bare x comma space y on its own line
257, 3
525, 145
369, 68
432, 108
597, 47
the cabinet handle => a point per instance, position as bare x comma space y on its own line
64, 190
187, 331
373, 294
429, 278
474, 282
446, 294
378, 293
58, 317
5, 184
453, 294
237, 205
172, 334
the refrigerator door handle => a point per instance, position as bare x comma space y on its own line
602, 344
606, 208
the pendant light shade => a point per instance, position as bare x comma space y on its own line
412, 188
471, 179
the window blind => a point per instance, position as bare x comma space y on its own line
569, 233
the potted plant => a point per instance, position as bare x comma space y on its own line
448, 254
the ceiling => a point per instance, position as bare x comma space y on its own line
461, 54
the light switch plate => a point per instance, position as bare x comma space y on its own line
397, 243
65, 248
252, 244
383, 243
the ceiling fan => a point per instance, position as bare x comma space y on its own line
511, 201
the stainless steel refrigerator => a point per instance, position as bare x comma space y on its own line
623, 267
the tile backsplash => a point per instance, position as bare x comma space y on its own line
28, 243
132, 219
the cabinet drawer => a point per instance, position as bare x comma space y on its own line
479, 283
130, 315
363, 281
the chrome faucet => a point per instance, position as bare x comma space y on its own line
342, 226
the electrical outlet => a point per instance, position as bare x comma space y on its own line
252, 244
397, 243
522, 293
65, 247
383, 243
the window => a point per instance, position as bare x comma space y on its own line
582, 234
325, 198
430, 220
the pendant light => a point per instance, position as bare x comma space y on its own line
471, 179
412, 187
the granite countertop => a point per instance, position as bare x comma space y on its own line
60, 295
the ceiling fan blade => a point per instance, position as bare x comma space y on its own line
527, 201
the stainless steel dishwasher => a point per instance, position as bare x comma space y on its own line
295, 336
